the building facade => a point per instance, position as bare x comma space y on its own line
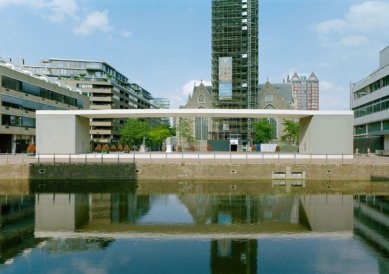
21, 94
201, 98
276, 96
106, 87
305, 88
370, 103
234, 64
163, 103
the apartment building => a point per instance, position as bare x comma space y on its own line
21, 94
106, 87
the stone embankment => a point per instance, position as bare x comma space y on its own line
190, 171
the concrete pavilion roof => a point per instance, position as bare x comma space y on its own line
187, 113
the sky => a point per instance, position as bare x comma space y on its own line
165, 45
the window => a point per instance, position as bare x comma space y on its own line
201, 99
269, 98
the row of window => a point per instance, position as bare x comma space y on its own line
18, 103
17, 121
372, 107
372, 127
27, 88
383, 82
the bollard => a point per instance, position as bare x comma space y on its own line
54, 158
86, 158
38, 159
118, 158
70, 159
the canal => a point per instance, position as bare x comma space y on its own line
193, 228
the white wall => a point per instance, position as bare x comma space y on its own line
326, 135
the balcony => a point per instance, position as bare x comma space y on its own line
98, 107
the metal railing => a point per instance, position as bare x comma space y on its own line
191, 157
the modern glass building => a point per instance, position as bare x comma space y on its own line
21, 94
106, 87
234, 64
370, 103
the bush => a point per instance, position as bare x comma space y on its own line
98, 148
192, 148
113, 148
253, 148
209, 147
126, 149
179, 148
31, 148
106, 148
120, 148
278, 149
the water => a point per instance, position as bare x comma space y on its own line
193, 231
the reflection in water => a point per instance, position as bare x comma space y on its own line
371, 225
231, 229
234, 256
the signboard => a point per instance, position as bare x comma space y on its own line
225, 77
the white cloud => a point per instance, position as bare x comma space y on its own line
361, 24
55, 10
62, 8
334, 96
125, 34
187, 89
97, 20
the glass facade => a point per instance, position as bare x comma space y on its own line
10, 83
383, 82
18, 103
378, 105
17, 121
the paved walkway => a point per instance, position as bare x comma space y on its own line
192, 157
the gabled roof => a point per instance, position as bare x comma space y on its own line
283, 89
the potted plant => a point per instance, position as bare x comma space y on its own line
179, 148
31, 149
120, 148
209, 147
113, 148
126, 149
192, 147
105, 148
253, 148
98, 148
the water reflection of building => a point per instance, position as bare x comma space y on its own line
16, 226
371, 226
234, 256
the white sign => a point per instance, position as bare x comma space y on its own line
234, 142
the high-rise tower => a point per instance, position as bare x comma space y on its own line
234, 64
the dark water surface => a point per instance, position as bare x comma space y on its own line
196, 231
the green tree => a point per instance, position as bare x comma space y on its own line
185, 129
133, 132
263, 131
158, 134
292, 129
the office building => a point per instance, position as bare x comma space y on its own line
305, 88
21, 94
370, 103
106, 87
234, 64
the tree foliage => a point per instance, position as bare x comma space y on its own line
263, 131
133, 132
158, 134
185, 129
291, 131
136, 130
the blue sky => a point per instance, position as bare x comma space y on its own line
164, 45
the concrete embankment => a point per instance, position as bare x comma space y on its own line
192, 171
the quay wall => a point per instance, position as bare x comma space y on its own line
189, 171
